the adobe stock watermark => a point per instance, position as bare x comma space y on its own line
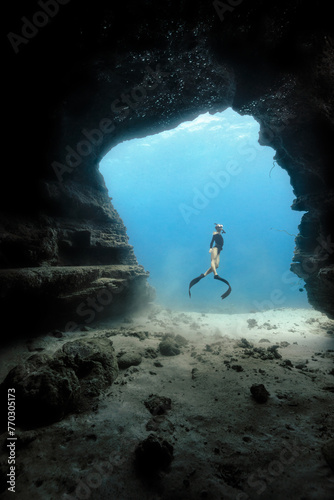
262, 478
93, 480
122, 107
202, 197
223, 7
31, 27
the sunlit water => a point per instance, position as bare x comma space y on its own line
171, 188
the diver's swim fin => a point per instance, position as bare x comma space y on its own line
229, 290
194, 281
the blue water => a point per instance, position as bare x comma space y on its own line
171, 188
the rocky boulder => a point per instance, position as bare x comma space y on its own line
152, 455
49, 387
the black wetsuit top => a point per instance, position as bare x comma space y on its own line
218, 240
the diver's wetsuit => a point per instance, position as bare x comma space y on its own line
219, 242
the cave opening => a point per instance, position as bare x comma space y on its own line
172, 187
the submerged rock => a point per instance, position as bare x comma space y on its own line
286, 363
45, 389
150, 352
171, 345
252, 323
94, 362
127, 359
158, 405
48, 387
237, 368
273, 350
244, 343
180, 340
262, 353
153, 454
169, 348
328, 453
259, 393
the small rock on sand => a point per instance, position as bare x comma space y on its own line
158, 405
127, 359
170, 345
259, 393
153, 454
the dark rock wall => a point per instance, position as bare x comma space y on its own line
96, 75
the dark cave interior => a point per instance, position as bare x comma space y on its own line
80, 79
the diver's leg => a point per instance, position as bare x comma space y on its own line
212, 268
217, 260
208, 271
214, 255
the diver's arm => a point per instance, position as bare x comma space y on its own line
212, 241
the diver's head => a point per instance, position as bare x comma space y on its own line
218, 227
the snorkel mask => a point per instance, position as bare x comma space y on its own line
219, 226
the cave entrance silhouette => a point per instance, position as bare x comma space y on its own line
171, 188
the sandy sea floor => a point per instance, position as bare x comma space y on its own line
226, 444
